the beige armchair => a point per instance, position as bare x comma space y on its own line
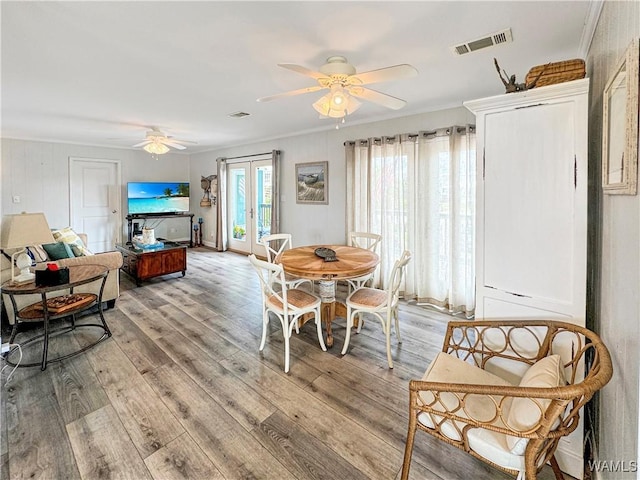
506, 391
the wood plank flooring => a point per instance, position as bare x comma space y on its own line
181, 391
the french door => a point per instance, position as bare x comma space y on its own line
249, 200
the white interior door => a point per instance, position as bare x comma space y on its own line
249, 204
95, 201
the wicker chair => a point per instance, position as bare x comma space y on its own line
506, 391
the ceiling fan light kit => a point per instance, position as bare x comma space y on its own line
336, 104
157, 143
156, 148
344, 84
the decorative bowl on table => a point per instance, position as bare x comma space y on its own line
326, 254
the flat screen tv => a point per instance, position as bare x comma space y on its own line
157, 197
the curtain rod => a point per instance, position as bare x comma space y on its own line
252, 155
459, 129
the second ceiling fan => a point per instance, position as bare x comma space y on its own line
156, 142
345, 86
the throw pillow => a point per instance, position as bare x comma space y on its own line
525, 413
68, 236
38, 253
58, 250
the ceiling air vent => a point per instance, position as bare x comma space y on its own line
239, 114
503, 36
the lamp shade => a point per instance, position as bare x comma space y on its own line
327, 107
25, 229
156, 148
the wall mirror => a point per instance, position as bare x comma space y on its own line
620, 126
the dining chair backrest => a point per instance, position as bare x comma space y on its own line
275, 244
365, 240
270, 274
395, 279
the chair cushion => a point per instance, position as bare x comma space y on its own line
507, 450
368, 297
449, 369
525, 413
493, 446
296, 297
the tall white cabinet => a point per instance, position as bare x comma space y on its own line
531, 220
531, 224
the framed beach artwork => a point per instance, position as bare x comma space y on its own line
311, 183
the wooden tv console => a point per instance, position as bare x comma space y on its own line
144, 216
144, 264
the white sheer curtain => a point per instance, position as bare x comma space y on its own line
221, 213
418, 192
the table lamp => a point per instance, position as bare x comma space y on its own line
20, 231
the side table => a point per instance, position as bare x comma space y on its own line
42, 311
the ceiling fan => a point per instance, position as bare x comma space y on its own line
345, 85
157, 143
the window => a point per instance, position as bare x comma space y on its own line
418, 192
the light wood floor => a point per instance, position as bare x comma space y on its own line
181, 391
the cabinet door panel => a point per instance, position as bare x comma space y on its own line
149, 266
174, 261
529, 204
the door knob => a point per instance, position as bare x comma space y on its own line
114, 211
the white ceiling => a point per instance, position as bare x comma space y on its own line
100, 73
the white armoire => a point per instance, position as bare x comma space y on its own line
531, 220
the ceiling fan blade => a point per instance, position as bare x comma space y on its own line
302, 70
376, 97
397, 72
177, 146
292, 92
141, 144
181, 141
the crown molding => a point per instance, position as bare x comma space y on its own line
590, 24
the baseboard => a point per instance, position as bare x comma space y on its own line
570, 462
210, 244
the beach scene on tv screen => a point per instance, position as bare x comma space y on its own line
158, 197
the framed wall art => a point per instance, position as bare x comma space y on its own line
312, 181
620, 126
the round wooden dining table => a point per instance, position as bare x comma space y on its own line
350, 262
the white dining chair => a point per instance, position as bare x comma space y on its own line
274, 245
368, 241
383, 304
288, 305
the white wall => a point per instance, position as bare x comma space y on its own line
615, 260
317, 224
38, 172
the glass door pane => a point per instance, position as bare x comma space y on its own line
239, 229
263, 197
